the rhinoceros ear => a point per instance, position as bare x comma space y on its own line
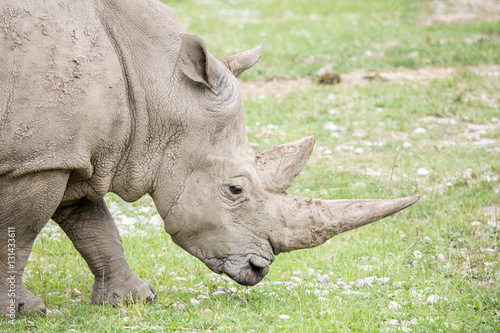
196, 62
279, 165
240, 62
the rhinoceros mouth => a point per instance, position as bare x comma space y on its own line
247, 271
250, 273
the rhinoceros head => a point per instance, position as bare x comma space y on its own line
233, 212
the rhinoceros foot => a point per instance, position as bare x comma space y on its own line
124, 290
26, 302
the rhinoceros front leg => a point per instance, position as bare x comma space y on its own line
93, 232
26, 204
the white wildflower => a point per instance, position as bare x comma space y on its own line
394, 305
422, 172
419, 130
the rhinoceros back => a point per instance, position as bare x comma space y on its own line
62, 93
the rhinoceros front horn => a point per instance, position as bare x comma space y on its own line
311, 222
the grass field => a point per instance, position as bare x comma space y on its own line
432, 268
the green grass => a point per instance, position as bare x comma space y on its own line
379, 117
302, 36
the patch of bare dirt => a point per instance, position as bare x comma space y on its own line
460, 11
282, 86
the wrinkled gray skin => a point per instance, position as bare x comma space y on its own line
102, 96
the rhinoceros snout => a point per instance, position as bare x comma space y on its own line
249, 273
254, 275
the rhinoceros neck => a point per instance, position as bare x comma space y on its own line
144, 35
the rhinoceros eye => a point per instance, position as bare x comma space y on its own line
235, 190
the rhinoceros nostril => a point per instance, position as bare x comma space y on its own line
258, 262
259, 266
257, 270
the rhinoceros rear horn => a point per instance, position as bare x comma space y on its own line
279, 165
197, 63
240, 62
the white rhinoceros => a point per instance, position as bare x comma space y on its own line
103, 96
